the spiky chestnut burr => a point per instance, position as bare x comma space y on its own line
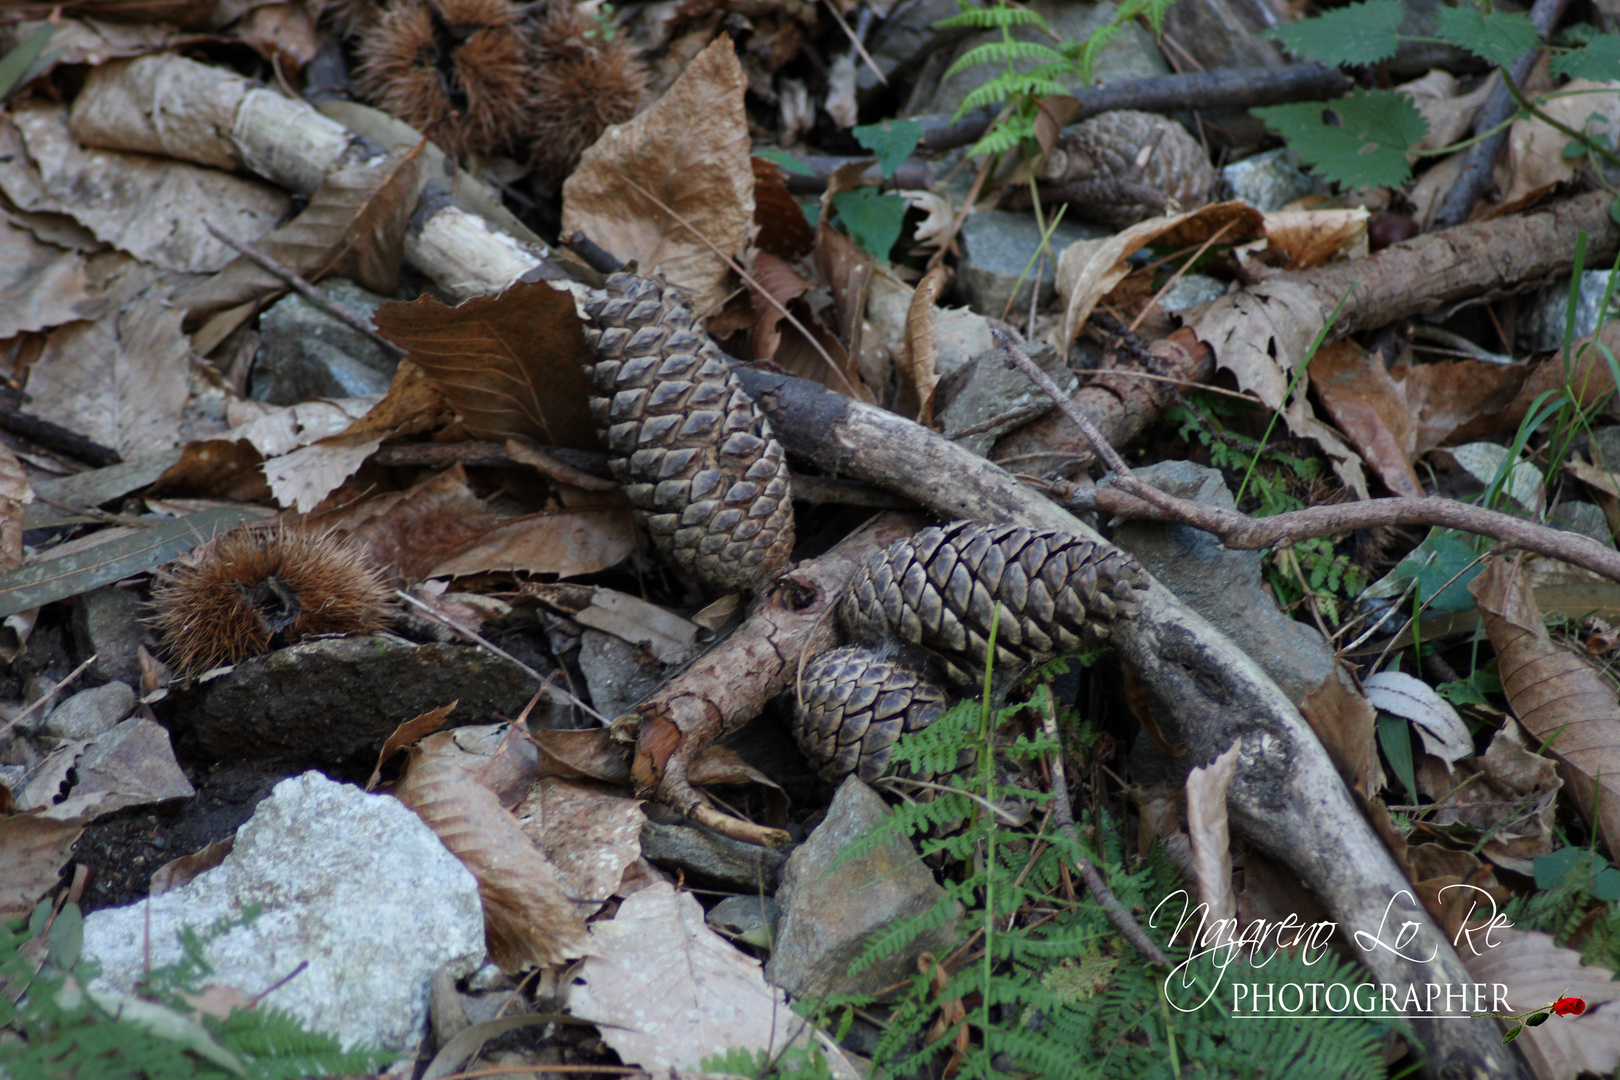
425, 59
586, 77
854, 703
249, 590
939, 589
695, 454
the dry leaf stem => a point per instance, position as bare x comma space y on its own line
305, 289
1127, 496
1063, 811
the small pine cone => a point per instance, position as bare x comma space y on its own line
421, 60
584, 81
1100, 153
694, 453
856, 702
938, 590
249, 590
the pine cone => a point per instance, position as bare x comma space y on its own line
1094, 161
694, 453
856, 702
938, 589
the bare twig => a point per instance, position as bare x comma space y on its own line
46, 696
305, 289
855, 40
1129, 497
478, 639
1064, 813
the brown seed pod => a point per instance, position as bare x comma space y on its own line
249, 590
1092, 163
424, 59
939, 589
695, 454
855, 702
584, 81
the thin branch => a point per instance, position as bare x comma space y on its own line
1128, 496
305, 289
854, 39
1064, 813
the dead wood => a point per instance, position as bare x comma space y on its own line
1473, 263
1237, 88
729, 685
1287, 798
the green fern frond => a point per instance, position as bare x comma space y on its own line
903, 932
1010, 84
1005, 52
990, 18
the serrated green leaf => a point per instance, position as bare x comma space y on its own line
1441, 567
872, 220
1499, 37
1369, 146
785, 159
1598, 59
1364, 33
892, 141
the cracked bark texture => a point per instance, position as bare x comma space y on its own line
1287, 798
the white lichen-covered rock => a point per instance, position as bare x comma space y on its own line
355, 884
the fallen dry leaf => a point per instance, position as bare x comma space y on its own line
177, 873
1304, 239
783, 229
1449, 398
353, 227
151, 207
1535, 152
1443, 732
529, 919
1449, 882
510, 365
690, 152
120, 380
1449, 114
1507, 795
1537, 972
94, 41
1367, 405
669, 992
672, 639
283, 34
44, 285
774, 279
916, 361
274, 430
33, 850
1345, 721
1207, 786
1559, 697
589, 833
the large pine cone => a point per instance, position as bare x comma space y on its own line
938, 590
855, 703
694, 453
1096, 155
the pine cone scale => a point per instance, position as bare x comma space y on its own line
856, 703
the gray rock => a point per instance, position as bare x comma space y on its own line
354, 884
1224, 585
1224, 33
1190, 290
614, 672
908, 35
305, 353
1603, 448
107, 623
829, 915
996, 248
328, 699
740, 914
1268, 181
1542, 317
705, 854
1581, 517
90, 713
992, 388
1131, 55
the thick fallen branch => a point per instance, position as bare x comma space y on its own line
1479, 261
1237, 88
1287, 799
1127, 496
728, 685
